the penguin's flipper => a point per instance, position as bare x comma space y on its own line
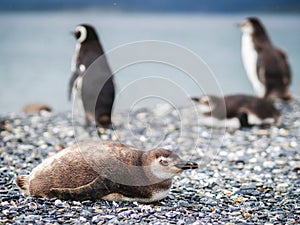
261, 72
74, 76
287, 78
91, 191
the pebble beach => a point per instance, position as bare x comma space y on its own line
246, 176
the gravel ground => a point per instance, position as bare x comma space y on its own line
248, 176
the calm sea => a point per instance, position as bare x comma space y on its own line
36, 49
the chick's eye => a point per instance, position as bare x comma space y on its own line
164, 162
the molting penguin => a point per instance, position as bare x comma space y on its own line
237, 111
266, 65
105, 170
91, 79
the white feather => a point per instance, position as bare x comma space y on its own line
78, 109
82, 68
214, 122
160, 173
83, 33
249, 56
158, 195
204, 108
254, 120
74, 58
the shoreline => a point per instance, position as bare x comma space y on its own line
246, 176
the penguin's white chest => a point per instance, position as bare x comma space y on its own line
77, 88
158, 195
76, 53
78, 108
249, 56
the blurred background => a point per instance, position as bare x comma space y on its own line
36, 47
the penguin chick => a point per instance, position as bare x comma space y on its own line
111, 171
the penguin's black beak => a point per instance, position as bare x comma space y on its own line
187, 165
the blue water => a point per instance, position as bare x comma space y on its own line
36, 50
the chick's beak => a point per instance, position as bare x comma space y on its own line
187, 165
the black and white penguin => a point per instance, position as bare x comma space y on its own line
266, 65
105, 170
237, 111
94, 86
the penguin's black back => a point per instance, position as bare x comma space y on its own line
260, 32
263, 108
97, 90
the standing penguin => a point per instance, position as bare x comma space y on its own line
92, 80
266, 65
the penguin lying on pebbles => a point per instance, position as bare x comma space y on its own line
237, 111
111, 171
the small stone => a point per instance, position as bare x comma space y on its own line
32, 205
247, 215
82, 219
126, 213
58, 203
59, 147
170, 214
235, 213
262, 132
269, 164
293, 144
115, 204
180, 222
146, 209
283, 132
96, 219
5, 203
